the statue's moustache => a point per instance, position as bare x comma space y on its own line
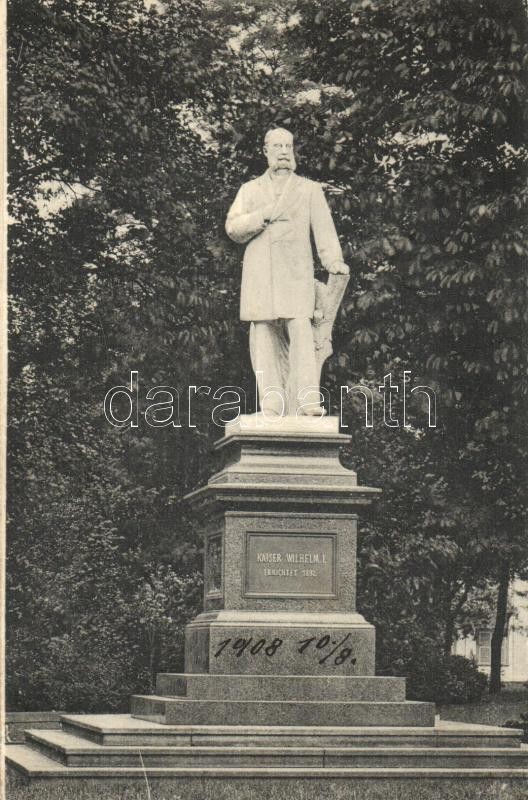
286, 160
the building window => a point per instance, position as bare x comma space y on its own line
484, 649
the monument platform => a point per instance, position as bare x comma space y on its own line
114, 753
279, 692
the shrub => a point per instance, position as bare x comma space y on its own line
445, 679
163, 604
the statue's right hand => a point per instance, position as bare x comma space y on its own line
268, 211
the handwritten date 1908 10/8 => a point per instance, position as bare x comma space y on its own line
312, 645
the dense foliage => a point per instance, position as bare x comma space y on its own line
115, 265
428, 132
131, 128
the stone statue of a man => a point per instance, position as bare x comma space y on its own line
274, 214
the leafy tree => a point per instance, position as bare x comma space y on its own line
421, 127
116, 263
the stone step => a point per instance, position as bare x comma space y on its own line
123, 729
287, 687
73, 751
172, 711
34, 765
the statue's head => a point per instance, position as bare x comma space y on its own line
278, 149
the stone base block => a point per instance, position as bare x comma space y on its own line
279, 643
179, 711
285, 687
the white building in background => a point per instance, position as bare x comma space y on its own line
514, 646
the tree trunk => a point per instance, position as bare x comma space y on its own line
449, 635
498, 631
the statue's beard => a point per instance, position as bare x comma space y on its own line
287, 163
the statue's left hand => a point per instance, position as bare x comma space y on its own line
339, 268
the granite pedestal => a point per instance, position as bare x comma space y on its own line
280, 526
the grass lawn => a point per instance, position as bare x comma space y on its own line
490, 709
419, 789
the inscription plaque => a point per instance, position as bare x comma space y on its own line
290, 565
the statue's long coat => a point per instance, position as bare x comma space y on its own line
278, 273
